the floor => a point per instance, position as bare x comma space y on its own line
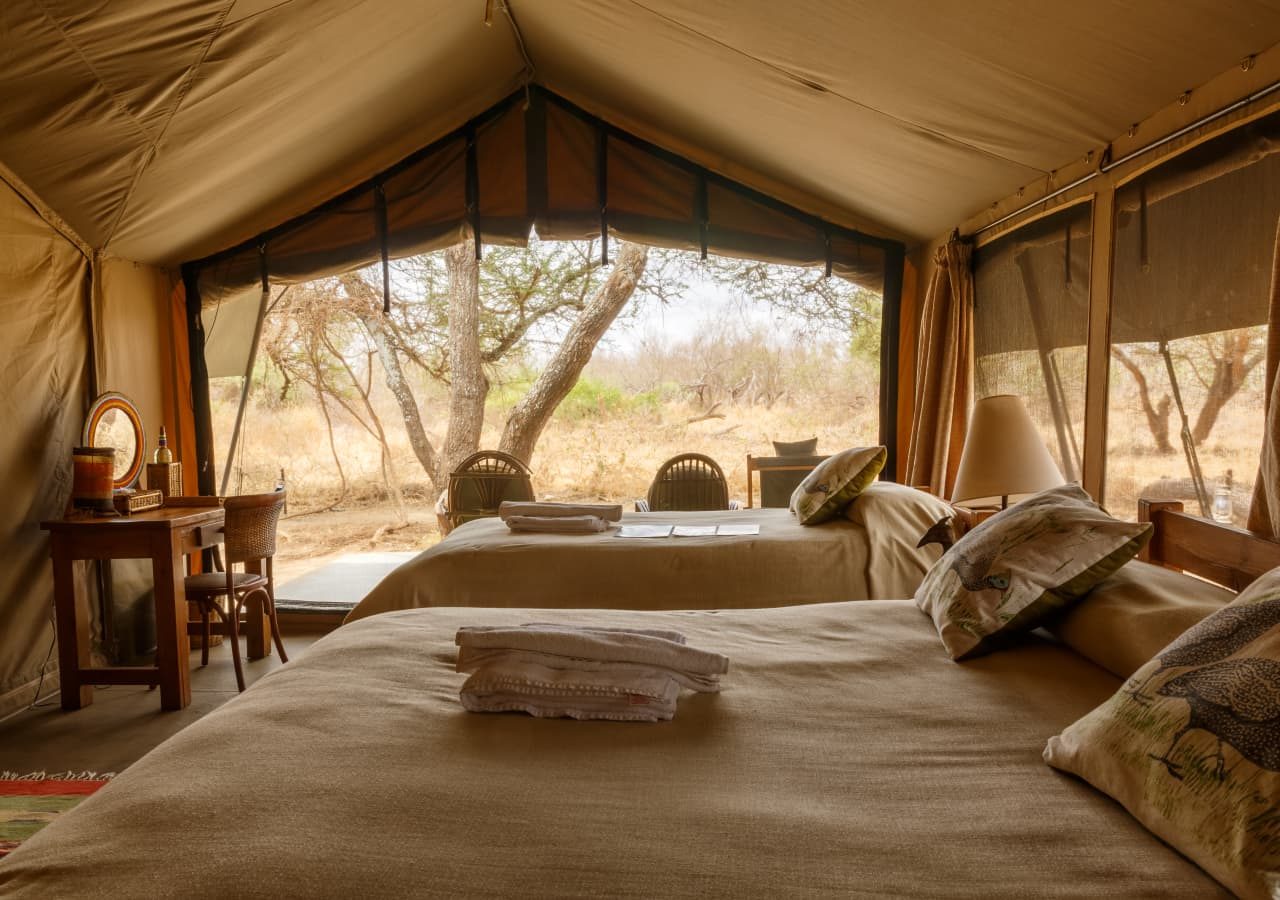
124, 722
341, 583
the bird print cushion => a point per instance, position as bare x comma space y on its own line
835, 483
1190, 745
1016, 568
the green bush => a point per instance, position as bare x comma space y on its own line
590, 398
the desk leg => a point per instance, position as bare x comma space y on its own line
72, 628
257, 627
173, 647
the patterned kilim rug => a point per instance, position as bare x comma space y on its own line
30, 802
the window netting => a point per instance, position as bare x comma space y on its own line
1031, 325
1194, 244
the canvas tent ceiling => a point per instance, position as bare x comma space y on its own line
164, 132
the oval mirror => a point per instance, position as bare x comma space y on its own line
113, 421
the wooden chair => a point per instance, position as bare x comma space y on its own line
249, 536
779, 477
482, 482
690, 481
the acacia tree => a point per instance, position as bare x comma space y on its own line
1220, 363
808, 294
458, 320
462, 323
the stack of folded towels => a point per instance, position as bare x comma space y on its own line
554, 671
559, 518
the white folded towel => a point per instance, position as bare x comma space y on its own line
610, 512
552, 670
628, 694
557, 524
699, 669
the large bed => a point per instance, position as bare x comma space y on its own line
870, 553
847, 756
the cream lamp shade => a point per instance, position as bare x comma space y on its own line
1003, 455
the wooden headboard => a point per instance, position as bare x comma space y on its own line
1229, 556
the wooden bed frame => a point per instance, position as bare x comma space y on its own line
1224, 554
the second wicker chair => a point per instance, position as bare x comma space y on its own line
480, 484
690, 481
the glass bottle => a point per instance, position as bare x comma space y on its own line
1222, 501
163, 454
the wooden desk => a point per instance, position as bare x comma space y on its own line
164, 536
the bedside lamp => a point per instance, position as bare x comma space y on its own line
1003, 455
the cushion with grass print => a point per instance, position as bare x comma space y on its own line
1190, 745
835, 483
1017, 568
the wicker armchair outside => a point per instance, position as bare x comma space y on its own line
690, 481
479, 485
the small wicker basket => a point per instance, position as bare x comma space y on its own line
137, 501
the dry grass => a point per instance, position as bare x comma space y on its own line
607, 453
610, 437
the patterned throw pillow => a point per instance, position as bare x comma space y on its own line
1008, 574
1190, 745
833, 485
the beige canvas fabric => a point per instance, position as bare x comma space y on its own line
1132, 615
944, 372
836, 108
1013, 571
843, 757
1189, 746
43, 370
483, 564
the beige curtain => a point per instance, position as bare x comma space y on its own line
944, 372
1264, 515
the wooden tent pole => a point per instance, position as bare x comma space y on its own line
1097, 384
200, 408
890, 321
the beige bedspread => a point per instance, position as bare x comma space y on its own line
846, 757
483, 563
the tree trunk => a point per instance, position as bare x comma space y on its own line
530, 416
359, 289
1157, 415
1231, 367
468, 385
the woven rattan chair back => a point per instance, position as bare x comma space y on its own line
483, 481
690, 481
250, 529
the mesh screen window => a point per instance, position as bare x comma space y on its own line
1031, 325
1195, 240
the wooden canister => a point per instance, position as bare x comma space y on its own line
92, 482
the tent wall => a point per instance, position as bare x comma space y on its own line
1231, 90
70, 328
44, 386
134, 341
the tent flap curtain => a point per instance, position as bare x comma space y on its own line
944, 372
1264, 514
553, 168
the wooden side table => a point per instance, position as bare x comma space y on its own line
164, 536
